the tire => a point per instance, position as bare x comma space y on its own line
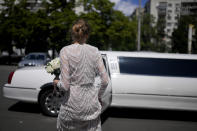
50, 103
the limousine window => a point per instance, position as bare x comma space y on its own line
158, 66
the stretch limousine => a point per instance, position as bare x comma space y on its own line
138, 79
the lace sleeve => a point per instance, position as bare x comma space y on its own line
64, 68
103, 74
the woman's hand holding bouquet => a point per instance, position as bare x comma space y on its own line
53, 67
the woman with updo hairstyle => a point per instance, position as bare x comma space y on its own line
80, 32
79, 65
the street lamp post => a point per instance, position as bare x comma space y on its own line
139, 27
190, 33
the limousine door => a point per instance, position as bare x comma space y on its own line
107, 96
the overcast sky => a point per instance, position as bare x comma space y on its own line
127, 6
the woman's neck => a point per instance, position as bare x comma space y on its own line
76, 43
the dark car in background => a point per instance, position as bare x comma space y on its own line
34, 59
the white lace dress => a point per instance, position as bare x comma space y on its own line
80, 111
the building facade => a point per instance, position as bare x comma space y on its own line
170, 11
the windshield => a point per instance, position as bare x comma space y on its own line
34, 57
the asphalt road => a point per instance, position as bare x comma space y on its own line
20, 116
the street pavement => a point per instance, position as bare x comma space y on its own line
21, 116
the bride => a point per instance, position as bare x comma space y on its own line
80, 63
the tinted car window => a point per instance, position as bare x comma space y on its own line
35, 57
40, 57
31, 57
158, 66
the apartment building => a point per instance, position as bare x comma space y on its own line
170, 11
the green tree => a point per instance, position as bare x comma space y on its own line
6, 25
16, 24
111, 29
152, 34
4, 35
180, 35
60, 17
36, 31
148, 32
122, 32
38, 28
160, 35
99, 14
20, 19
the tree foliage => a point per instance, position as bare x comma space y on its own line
49, 27
111, 29
13, 24
152, 34
99, 15
180, 35
60, 17
122, 32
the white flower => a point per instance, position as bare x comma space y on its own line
49, 69
53, 65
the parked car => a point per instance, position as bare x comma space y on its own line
139, 79
34, 59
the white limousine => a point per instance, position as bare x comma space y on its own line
138, 79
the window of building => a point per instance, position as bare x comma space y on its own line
163, 4
177, 5
169, 24
158, 66
162, 7
169, 4
176, 17
169, 17
169, 11
168, 30
177, 10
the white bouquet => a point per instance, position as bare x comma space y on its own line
53, 65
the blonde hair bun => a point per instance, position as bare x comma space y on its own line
80, 31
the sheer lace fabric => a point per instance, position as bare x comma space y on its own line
80, 64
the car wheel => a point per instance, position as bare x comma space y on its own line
50, 102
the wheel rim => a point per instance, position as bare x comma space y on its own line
53, 102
